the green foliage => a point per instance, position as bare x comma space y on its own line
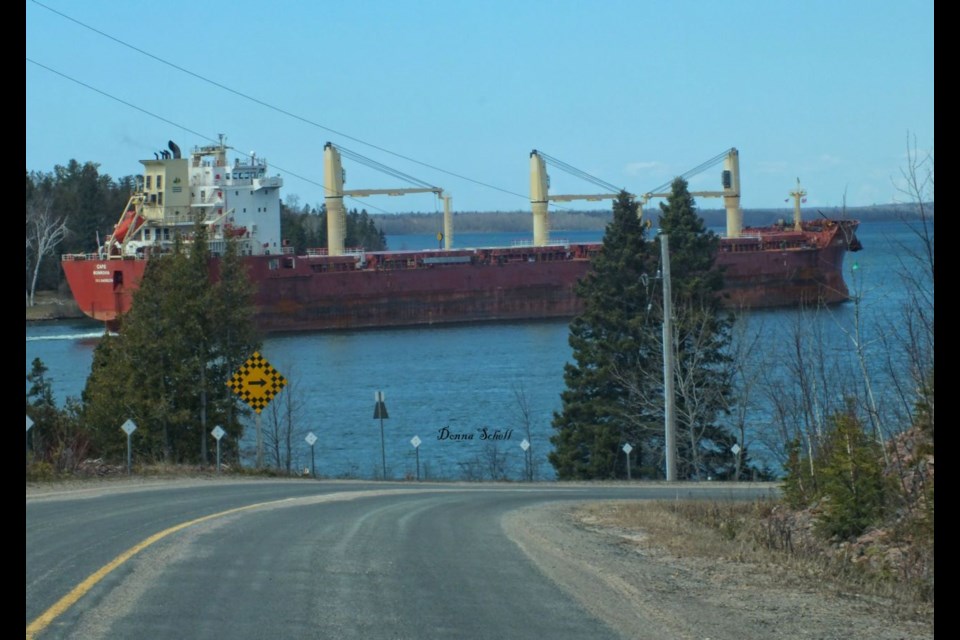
852, 479
167, 368
58, 440
846, 477
612, 345
307, 229
614, 391
40, 471
90, 201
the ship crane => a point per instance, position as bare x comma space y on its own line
539, 196
730, 181
333, 179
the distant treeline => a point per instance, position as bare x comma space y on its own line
596, 220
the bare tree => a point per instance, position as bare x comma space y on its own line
282, 424
742, 402
44, 232
531, 467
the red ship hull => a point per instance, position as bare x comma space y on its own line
775, 267
764, 268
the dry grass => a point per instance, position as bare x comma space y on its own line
749, 532
49, 305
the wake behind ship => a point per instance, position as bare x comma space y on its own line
345, 288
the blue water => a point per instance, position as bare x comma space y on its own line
470, 378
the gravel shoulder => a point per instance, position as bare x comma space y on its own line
645, 592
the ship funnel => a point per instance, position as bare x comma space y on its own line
174, 148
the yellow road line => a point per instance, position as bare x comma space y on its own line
81, 589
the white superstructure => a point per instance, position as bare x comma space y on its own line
238, 200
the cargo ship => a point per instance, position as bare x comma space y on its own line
339, 287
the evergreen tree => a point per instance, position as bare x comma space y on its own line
702, 335
614, 391
613, 344
234, 338
167, 368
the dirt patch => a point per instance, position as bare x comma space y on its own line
646, 591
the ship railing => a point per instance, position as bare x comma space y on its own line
69, 257
742, 236
554, 242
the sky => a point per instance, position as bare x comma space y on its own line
457, 93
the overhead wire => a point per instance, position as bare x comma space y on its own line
352, 155
273, 107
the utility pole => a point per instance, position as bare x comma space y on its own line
669, 409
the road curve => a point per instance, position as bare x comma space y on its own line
308, 559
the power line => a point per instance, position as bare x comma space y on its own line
183, 127
268, 105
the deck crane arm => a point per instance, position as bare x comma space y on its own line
539, 197
391, 192
333, 179
730, 182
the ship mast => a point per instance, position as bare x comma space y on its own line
333, 178
730, 181
798, 195
539, 198
333, 198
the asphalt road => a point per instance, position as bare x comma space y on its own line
304, 560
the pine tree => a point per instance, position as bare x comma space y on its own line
702, 335
613, 345
234, 339
614, 391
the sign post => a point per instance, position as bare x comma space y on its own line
29, 424
627, 449
128, 427
525, 445
311, 440
415, 441
218, 433
257, 382
380, 411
